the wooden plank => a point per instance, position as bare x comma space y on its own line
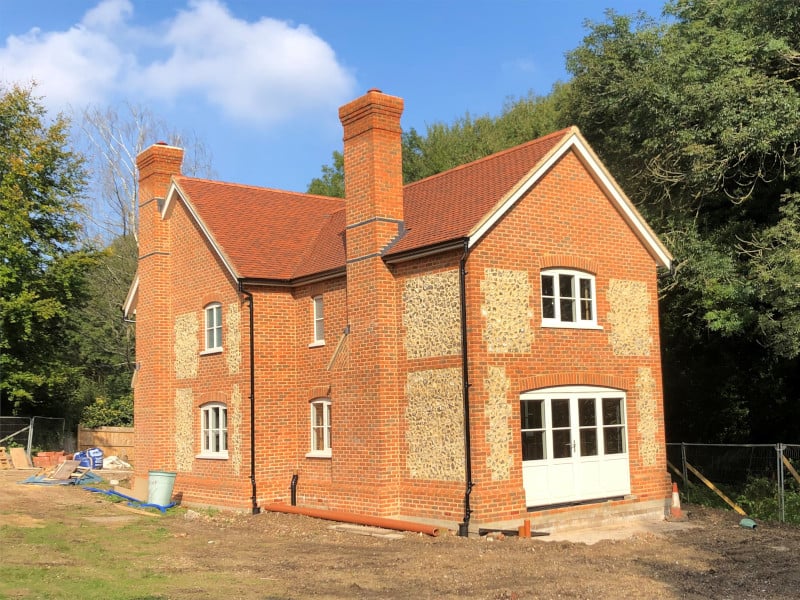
714, 489
20, 458
65, 470
675, 469
791, 469
137, 511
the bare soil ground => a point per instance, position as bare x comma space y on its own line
224, 555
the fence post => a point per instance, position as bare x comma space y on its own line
30, 438
779, 448
685, 472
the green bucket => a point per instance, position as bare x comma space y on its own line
159, 487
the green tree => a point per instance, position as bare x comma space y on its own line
113, 137
104, 342
331, 183
698, 116
42, 262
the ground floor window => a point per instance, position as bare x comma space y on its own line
320, 427
214, 430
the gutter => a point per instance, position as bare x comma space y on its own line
253, 497
463, 528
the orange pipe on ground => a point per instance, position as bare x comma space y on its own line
345, 517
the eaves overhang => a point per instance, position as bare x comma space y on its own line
438, 248
174, 194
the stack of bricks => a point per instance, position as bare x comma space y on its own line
49, 459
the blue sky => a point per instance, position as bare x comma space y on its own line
260, 82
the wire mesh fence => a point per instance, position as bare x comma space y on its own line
33, 433
760, 479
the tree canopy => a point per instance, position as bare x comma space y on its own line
699, 118
42, 260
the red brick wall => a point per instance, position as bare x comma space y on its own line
565, 220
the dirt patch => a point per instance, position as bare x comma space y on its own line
287, 556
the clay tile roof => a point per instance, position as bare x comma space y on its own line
447, 206
272, 234
265, 233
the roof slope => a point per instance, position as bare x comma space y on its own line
448, 205
263, 233
266, 233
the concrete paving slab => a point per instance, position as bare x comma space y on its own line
616, 531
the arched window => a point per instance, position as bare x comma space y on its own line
213, 327
319, 322
320, 428
568, 299
214, 430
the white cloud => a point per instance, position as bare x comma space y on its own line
263, 71
267, 70
77, 66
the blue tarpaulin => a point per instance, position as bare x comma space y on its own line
84, 479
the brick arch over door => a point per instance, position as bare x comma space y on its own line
536, 382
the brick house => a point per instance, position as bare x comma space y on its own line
476, 347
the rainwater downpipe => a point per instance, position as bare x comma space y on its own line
463, 528
253, 498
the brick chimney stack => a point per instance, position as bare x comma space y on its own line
373, 167
157, 164
154, 396
369, 398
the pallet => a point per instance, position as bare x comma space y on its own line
5, 459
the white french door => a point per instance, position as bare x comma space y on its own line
574, 444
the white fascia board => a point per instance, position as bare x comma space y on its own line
175, 191
488, 222
630, 214
129, 307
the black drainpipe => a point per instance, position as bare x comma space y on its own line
253, 499
463, 528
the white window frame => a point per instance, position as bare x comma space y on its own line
559, 301
320, 439
214, 431
212, 330
319, 322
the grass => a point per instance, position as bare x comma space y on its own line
68, 556
57, 561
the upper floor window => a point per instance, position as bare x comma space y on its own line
320, 428
568, 299
214, 430
214, 326
319, 321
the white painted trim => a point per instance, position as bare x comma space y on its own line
131, 299
574, 141
174, 189
211, 351
319, 454
568, 325
498, 212
214, 456
317, 344
633, 217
